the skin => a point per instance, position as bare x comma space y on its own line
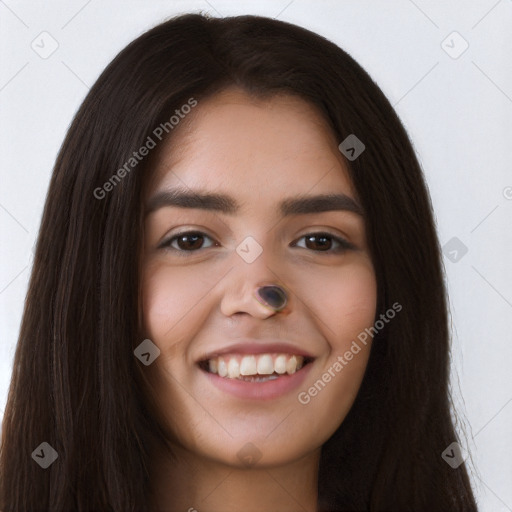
259, 152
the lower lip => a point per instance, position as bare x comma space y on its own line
267, 390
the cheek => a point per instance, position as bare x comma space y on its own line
346, 307
353, 308
167, 298
167, 301
345, 302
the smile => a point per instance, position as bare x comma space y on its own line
263, 376
254, 368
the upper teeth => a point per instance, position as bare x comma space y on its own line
263, 364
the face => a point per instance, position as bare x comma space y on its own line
203, 261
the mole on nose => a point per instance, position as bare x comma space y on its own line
273, 296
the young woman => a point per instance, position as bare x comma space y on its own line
237, 300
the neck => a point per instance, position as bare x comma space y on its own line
191, 483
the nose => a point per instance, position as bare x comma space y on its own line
262, 301
256, 290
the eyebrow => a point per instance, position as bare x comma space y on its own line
202, 200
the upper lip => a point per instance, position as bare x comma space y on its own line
252, 346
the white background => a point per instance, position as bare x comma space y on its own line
457, 110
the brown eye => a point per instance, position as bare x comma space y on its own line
187, 241
325, 242
318, 242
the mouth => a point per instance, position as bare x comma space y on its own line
255, 368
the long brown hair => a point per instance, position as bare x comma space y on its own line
75, 381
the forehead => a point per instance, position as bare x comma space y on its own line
233, 141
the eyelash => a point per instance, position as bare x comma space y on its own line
343, 245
